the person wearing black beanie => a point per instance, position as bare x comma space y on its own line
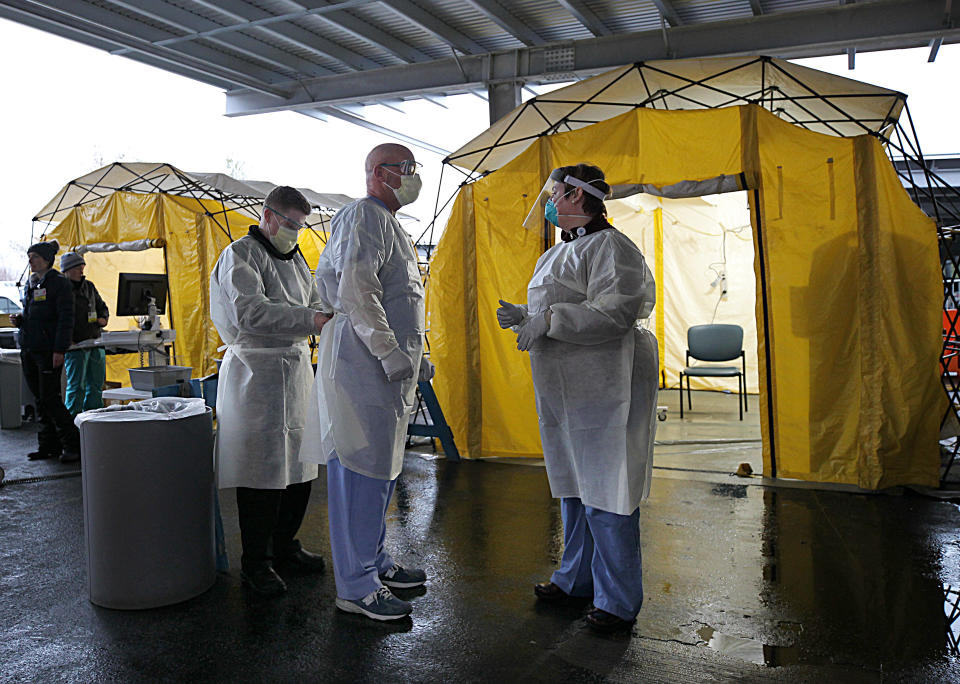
46, 327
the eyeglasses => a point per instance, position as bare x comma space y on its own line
408, 167
294, 225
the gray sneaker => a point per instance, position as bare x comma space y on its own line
379, 605
399, 577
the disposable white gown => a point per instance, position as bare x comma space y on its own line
263, 308
367, 275
595, 373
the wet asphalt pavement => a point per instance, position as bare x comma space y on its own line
742, 581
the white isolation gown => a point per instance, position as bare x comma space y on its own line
263, 307
369, 277
595, 374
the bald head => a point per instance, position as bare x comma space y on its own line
385, 154
380, 180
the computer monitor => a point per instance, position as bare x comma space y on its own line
135, 290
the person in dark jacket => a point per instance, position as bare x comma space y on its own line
86, 369
46, 327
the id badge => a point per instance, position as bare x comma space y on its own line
40, 294
92, 318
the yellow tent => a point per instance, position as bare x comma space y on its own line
847, 275
153, 218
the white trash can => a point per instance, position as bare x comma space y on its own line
148, 502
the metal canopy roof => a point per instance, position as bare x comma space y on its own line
322, 58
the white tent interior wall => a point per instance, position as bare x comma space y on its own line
696, 248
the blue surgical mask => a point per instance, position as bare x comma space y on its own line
550, 213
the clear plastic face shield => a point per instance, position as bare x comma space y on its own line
534, 220
535, 217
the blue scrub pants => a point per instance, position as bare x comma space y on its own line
86, 370
601, 558
356, 510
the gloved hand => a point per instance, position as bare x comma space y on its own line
509, 315
427, 369
533, 329
397, 365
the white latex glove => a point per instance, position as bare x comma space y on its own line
397, 365
509, 315
533, 329
427, 369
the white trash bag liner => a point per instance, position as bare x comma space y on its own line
159, 408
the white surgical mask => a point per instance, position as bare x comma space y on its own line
285, 239
409, 189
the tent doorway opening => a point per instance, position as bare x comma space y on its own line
701, 253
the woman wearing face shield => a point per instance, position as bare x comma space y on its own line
595, 378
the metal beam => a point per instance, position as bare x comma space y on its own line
509, 23
244, 24
146, 33
435, 27
333, 15
756, 7
669, 12
322, 113
874, 25
86, 37
188, 22
586, 16
301, 37
851, 58
367, 32
934, 48
97, 24
503, 98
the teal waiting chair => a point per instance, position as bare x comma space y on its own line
715, 342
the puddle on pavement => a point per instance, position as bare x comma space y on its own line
751, 650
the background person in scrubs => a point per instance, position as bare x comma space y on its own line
595, 378
86, 369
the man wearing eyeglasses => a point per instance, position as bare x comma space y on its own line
368, 366
264, 304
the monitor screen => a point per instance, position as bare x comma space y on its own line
135, 290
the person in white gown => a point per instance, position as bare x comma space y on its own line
368, 364
264, 304
595, 374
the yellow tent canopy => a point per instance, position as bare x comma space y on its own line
847, 274
153, 218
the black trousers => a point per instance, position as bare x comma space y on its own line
269, 521
57, 431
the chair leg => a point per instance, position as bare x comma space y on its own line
740, 395
681, 397
689, 404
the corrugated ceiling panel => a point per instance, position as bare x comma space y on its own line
153, 30
713, 10
771, 6
205, 12
402, 29
549, 20
282, 74
331, 31
471, 22
277, 41
626, 16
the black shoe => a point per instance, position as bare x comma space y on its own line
42, 455
548, 591
264, 581
69, 456
301, 560
605, 623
